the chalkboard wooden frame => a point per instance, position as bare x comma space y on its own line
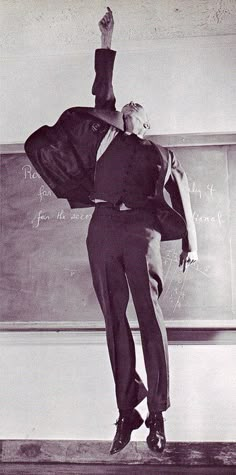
185, 331
173, 140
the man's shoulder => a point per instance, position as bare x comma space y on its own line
156, 148
110, 117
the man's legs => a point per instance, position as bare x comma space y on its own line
143, 268
119, 245
104, 244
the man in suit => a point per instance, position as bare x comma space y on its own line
99, 157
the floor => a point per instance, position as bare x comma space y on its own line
58, 457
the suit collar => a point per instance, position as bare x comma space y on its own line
113, 118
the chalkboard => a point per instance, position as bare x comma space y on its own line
45, 276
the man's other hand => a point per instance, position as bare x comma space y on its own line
106, 24
187, 258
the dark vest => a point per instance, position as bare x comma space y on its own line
127, 172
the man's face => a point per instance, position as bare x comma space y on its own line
135, 117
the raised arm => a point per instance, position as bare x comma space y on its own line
104, 61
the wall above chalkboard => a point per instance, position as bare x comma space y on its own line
45, 277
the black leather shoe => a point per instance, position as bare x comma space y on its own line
156, 439
125, 425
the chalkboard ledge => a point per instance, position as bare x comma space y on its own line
71, 332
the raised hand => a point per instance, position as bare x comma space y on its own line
106, 24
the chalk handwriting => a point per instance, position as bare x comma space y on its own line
29, 173
171, 261
201, 219
181, 294
38, 218
202, 192
71, 271
80, 216
43, 216
195, 189
43, 192
211, 189
61, 215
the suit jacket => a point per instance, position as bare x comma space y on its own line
65, 157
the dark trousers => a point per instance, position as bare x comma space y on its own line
124, 253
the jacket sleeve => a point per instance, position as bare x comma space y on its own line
64, 154
178, 188
102, 87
